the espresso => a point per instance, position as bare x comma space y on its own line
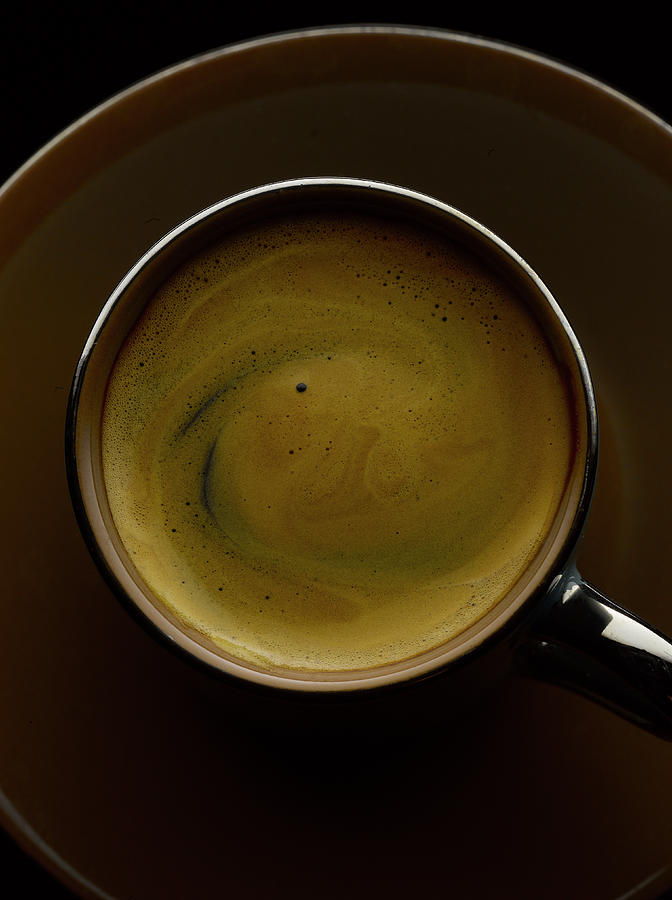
335, 441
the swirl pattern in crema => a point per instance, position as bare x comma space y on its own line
334, 442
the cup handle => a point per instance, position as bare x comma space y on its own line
581, 640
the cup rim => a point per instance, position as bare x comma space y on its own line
81, 473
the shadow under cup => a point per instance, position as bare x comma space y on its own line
551, 564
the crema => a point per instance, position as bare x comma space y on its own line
335, 441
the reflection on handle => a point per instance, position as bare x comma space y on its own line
581, 640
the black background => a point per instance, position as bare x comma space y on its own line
57, 62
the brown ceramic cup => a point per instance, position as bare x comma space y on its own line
552, 624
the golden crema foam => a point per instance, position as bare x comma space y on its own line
334, 442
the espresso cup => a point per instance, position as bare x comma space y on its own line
331, 435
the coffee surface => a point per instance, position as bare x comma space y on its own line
334, 442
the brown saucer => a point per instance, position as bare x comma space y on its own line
120, 767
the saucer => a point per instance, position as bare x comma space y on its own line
127, 773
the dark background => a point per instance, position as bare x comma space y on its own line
57, 62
